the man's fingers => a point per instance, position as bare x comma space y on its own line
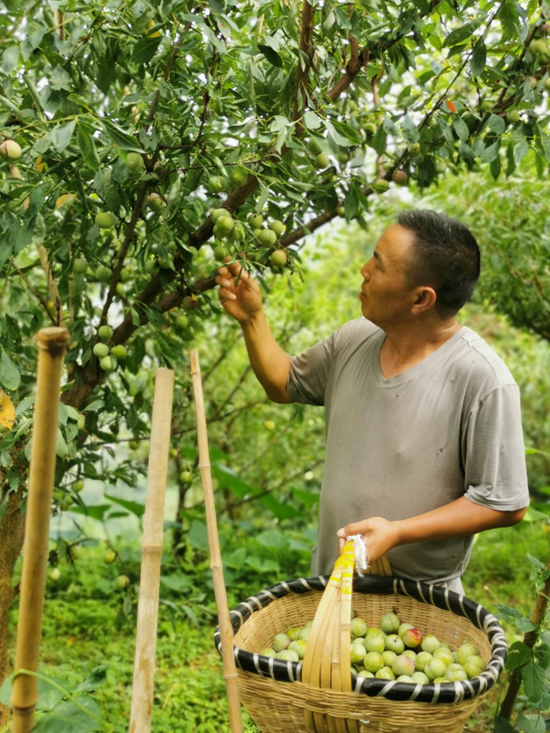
235, 268
224, 282
226, 295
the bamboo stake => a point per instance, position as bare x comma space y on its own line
151, 553
52, 343
226, 630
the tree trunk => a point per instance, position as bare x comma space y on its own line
12, 527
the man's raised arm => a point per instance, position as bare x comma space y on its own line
242, 300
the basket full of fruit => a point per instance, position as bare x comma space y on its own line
344, 654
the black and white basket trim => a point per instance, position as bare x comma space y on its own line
443, 598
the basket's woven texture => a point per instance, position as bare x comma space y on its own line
277, 706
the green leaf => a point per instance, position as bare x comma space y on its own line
61, 135
518, 655
87, 148
61, 447
271, 55
10, 59
198, 535
521, 150
145, 49
278, 509
479, 58
9, 373
496, 124
461, 34
524, 625
379, 140
410, 131
273, 540
502, 725
95, 679
461, 129
531, 723
533, 680
177, 583
68, 718
336, 136
312, 121
120, 137
131, 506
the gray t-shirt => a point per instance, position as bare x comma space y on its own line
449, 426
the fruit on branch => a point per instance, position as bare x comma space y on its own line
538, 47
239, 232
101, 350
134, 163
341, 211
123, 581
108, 363
104, 220
223, 226
513, 117
10, 150
400, 177
181, 322
238, 176
278, 227
267, 238
278, 258
189, 303
103, 274
77, 487
220, 253
256, 221
109, 557
313, 146
216, 184
186, 477
80, 266
150, 267
105, 332
54, 574
414, 150
154, 202
218, 213
380, 185
119, 351
322, 161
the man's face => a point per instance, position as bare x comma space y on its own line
384, 298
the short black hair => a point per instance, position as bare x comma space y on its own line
445, 256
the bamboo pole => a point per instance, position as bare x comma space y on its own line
151, 553
52, 343
226, 630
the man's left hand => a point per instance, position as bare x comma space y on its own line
379, 535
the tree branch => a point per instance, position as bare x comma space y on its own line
305, 49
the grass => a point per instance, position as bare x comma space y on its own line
82, 630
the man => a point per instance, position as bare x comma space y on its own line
423, 424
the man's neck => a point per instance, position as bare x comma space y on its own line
405, 349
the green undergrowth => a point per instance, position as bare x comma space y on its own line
88, 622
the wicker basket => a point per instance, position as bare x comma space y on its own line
273, 694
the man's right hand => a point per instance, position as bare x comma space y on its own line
242, 299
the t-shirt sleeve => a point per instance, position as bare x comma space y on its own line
494, 452
309, 372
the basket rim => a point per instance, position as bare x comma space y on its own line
443, 598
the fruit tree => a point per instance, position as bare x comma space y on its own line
134, 134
